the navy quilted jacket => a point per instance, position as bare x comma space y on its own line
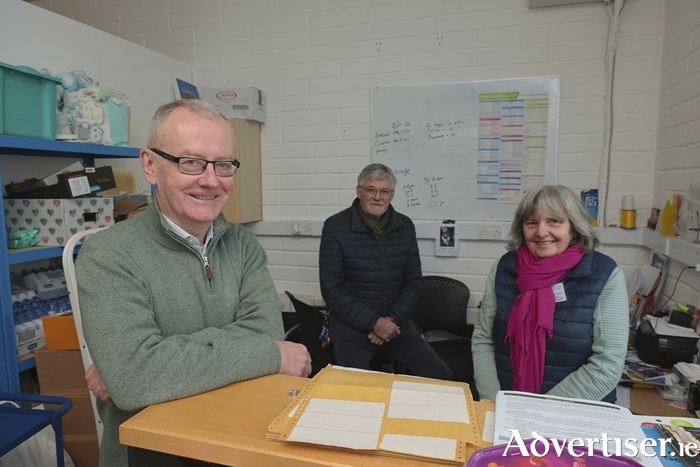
363, 280
570, 346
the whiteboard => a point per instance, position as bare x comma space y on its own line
467, 151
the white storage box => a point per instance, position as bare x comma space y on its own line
248, 103
58, 219
29, 336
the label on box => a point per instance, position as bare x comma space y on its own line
28, 337
248, 102
79, 186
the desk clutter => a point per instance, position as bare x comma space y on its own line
658, 342
393, 415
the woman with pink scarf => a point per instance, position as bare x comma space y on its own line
554, 317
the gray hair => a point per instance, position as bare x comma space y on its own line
562, 203
198, 107
376, 172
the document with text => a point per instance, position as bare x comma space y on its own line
521, 415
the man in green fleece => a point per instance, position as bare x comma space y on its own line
176, 301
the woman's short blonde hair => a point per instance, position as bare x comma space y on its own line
561, 202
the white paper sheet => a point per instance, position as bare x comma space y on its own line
426, 387
348, 424
341, 439
359, 425
421, 401
565, 418
338, 422
487, 434
333, 406
399, 396
441, 448
435, 413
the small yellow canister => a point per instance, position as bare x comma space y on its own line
628, 215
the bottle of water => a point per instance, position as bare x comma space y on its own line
51, 307
36, 307
66, 304
17, 312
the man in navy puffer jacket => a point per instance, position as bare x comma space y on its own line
371, 280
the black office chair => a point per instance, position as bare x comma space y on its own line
311, 320
442, 309
441, 317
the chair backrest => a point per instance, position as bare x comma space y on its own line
443, 306
72, 285
311, 321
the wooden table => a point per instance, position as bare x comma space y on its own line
227, 426
647, 401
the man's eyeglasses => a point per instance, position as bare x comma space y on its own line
194, 166
385, 193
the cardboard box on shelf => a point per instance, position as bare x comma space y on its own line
248, 102
58, 219
70, 185
125, 184
59, 370
61, 373
60, 333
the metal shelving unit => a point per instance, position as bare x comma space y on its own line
10, 365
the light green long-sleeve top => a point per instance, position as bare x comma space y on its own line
158, 329
594, 380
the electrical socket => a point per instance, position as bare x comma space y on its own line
306, 228
489, 232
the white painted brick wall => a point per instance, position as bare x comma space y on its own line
678, 157
317, 60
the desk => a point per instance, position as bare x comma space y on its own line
645, 401
227, 426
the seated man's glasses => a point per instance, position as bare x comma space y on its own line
194, 166
371, 191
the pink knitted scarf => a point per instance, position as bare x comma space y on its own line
532, 319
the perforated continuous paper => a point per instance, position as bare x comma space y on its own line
394, 415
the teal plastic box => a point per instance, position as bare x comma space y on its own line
27, 102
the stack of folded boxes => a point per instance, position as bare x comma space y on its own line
61, 373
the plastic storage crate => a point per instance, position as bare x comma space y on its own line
27, 102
